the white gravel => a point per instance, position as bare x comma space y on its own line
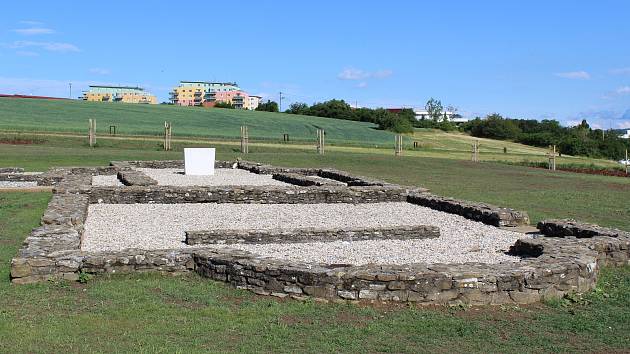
11, 184
222, 177
106, 181
115, 227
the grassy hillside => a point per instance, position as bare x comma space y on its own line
133, 119
193, 125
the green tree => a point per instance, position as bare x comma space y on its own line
298, 108
269, 106
223, 104
333, 109
387, 120
434, 109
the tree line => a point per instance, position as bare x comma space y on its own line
578, 140
398, 122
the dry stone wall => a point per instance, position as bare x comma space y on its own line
310, 235
245, 194
557, 269
305, 181
135, 178
482, 212
568, 227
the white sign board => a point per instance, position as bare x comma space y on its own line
199, 161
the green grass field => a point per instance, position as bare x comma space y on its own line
135, 119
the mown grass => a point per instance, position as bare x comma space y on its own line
72, 116
154, 313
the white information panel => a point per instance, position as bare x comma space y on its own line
199, 161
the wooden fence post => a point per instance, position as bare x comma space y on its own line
398, 145
92, 132
475, 151
320, 141
167, 136
552, 157
244, 140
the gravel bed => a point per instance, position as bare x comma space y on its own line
114, 227
106, 181
17, 184
222, 177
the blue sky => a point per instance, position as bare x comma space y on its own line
566, 60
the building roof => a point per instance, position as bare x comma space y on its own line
209, 82
118, 87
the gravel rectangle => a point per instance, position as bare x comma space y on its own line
221, 177
114, 227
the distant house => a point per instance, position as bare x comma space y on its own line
626, 135
450, 116
422, 114
125, 94
208, 94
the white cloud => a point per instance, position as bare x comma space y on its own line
32, 23
623, 90
33, 31
358, 74
99, 71
362, 84
50, 46
353, 74
579, 75
620, 91
620, 71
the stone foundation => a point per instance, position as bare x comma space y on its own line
568, 227
245, 194
305, 181
550, 267
310, 235
485, 213
135, 178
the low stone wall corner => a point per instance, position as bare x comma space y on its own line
486, 213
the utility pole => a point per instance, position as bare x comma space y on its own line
70, 84
280, 104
